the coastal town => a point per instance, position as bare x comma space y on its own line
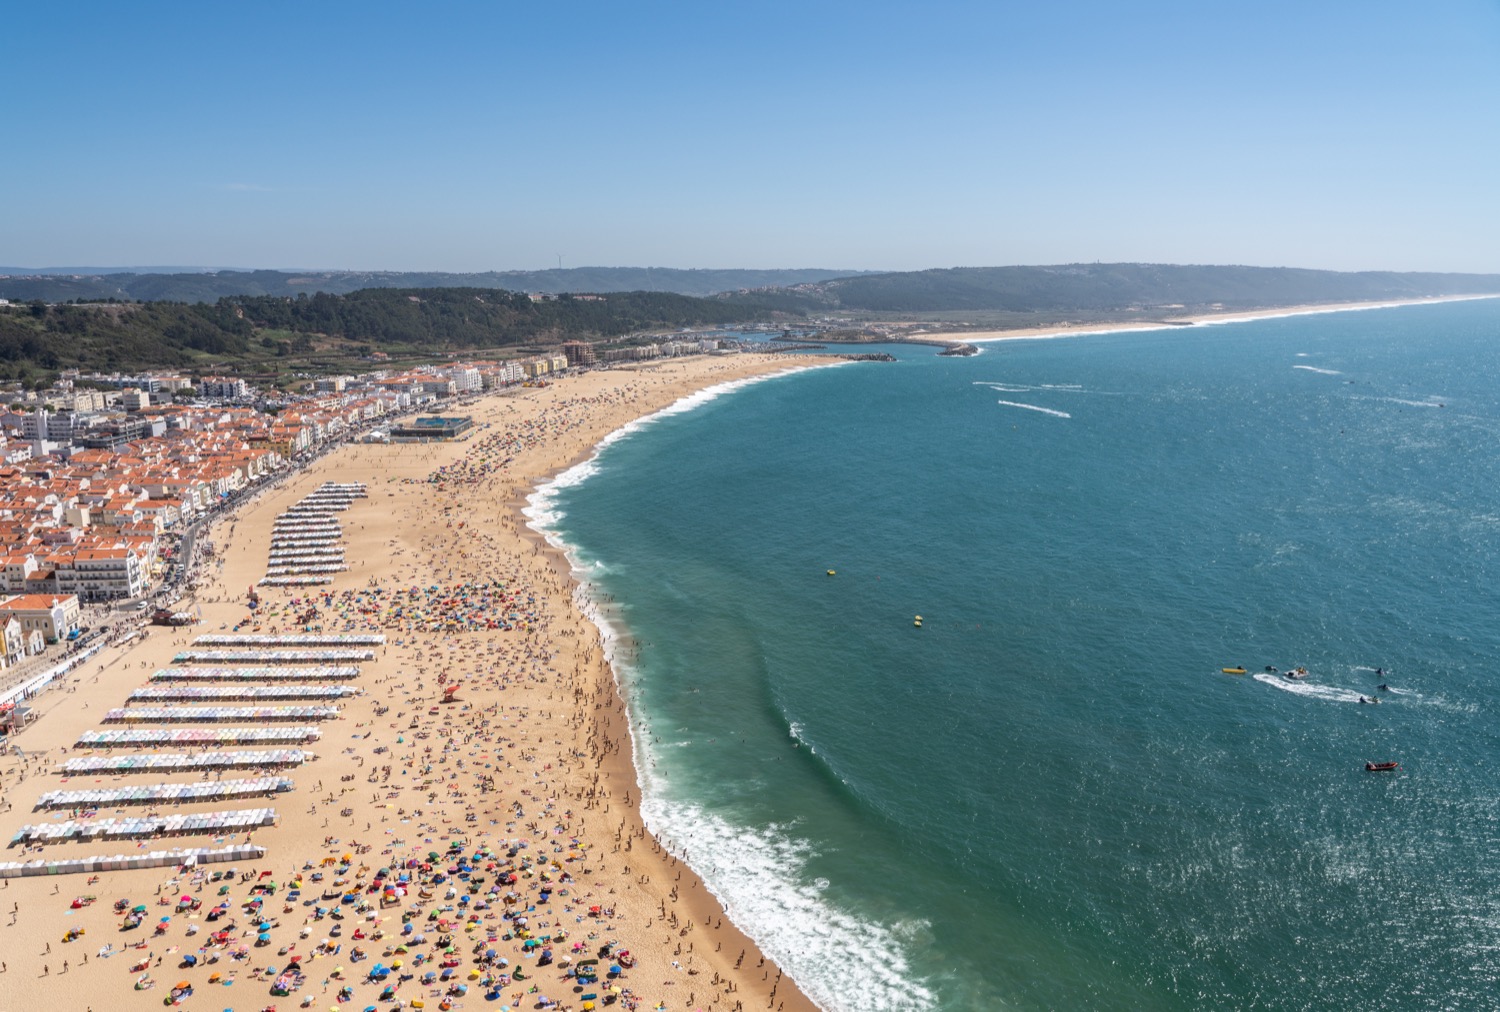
103, 478
338, 729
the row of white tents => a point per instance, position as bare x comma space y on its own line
316, 509
327, 672
149, 736
178, 857
290, 640
215, 714
221, 693
234, 821
293, 581
327, 655
176, 794
164, 762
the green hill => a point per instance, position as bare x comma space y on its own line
257, 333
1103, 288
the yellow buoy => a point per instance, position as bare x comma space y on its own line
917, 621
830, 572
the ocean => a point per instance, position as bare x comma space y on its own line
1050, 795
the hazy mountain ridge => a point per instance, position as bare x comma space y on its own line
1052, 289
209, 286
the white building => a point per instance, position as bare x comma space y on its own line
223, 388
466, 379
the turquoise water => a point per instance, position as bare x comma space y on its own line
1049, 796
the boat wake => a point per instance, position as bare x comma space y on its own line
1321, 372
1327, 693
1431, 402
1036, 407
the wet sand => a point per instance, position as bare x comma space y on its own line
531, 757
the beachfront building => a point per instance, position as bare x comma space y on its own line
503, 374
635, 353
53, 615
579, 354
14, 642
466, 379
440, 386
434, 427
545, 365
101, 574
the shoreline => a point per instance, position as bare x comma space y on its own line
1170, 323
409, 532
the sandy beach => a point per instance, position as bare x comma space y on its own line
1169, 321
511, 808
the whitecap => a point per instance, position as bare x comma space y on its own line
1321, 372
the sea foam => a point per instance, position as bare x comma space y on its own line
842, 962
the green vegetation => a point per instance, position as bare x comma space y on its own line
1116, 288
269, 334
262, 334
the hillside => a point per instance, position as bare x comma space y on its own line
203, 286
275, 333
1107, 288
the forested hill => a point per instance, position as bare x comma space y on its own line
1119, 287
203, 286
260, 332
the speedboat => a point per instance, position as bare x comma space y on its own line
1295, 673
1380, 767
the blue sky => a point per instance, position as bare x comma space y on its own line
477, 136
